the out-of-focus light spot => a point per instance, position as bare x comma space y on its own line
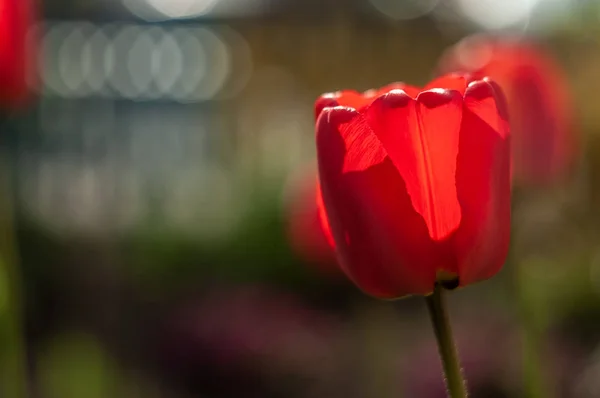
157, 10
241, 61
194, 64
86, 195
48, 65
69, 71
109, 61
182, 8
94, 54
475, 59
141, 63
219, 65
405, 9
72, 196
167, 63
184, 64
494, 14
108, 170
124, 50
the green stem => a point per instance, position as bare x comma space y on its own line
455, 383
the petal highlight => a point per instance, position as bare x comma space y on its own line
323, 221
346, 98
457, 82
421, 137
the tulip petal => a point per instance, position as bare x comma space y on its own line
323, 217
359, 101
456, 82
543, 147
483, 184
382, 244
410, 90
421, 137
348, 98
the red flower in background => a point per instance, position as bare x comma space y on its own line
16, 53
539, 101
308, 230
416, 183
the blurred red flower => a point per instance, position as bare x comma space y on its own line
16, 53
416, 183
539, 102
308, 231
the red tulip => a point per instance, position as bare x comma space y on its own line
416, 183
16, 55
538, 97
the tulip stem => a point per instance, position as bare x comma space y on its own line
455, 383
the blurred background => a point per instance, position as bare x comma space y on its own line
160, 187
